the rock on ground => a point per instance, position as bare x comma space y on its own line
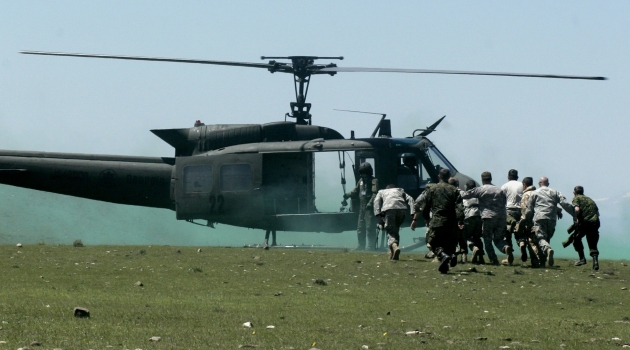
81, 312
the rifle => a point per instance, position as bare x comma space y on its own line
572, 231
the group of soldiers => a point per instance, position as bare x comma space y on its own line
473, 219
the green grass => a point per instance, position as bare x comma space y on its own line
199, 300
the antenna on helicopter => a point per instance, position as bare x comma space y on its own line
428, 129
378, 126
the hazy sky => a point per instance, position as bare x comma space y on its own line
574, 132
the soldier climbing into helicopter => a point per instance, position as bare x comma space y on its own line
366, 191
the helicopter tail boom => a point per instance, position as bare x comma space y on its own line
142, 181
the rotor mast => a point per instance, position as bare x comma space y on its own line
302, 68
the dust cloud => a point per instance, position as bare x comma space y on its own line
32, 217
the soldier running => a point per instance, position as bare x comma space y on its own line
586, 224
461, 246
523, 227
472, 225
492, 205
543, 212
513, 192
391, 203
444, 209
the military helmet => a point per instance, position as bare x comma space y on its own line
408, 156
366, 169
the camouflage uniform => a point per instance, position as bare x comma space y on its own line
542, 210
513, 191
588, 224
472, 224
393, 202
366, 191
524, 228
418, 207
492, 204
444, 204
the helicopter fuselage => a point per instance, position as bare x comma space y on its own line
267, 185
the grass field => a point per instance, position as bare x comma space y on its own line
320, 299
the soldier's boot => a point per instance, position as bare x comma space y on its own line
534, 250
595, 263
582, 260
550, 257
533, 257
390, 253
453, 260
430, 255
266, 245
493, 259
523, 248
510, 257
396, 251
444, 262
475, 256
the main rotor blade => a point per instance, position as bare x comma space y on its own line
347, 110
430, 71
160, 59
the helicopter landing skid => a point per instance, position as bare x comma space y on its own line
209, 224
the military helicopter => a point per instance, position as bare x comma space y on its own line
248, 175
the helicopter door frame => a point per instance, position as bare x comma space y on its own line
238, 184
194, 186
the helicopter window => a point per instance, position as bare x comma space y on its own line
438, 159
198, 179
408, 169
236, 177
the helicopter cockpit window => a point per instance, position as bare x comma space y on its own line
198, 179
236, 177
408, 173
438, 159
